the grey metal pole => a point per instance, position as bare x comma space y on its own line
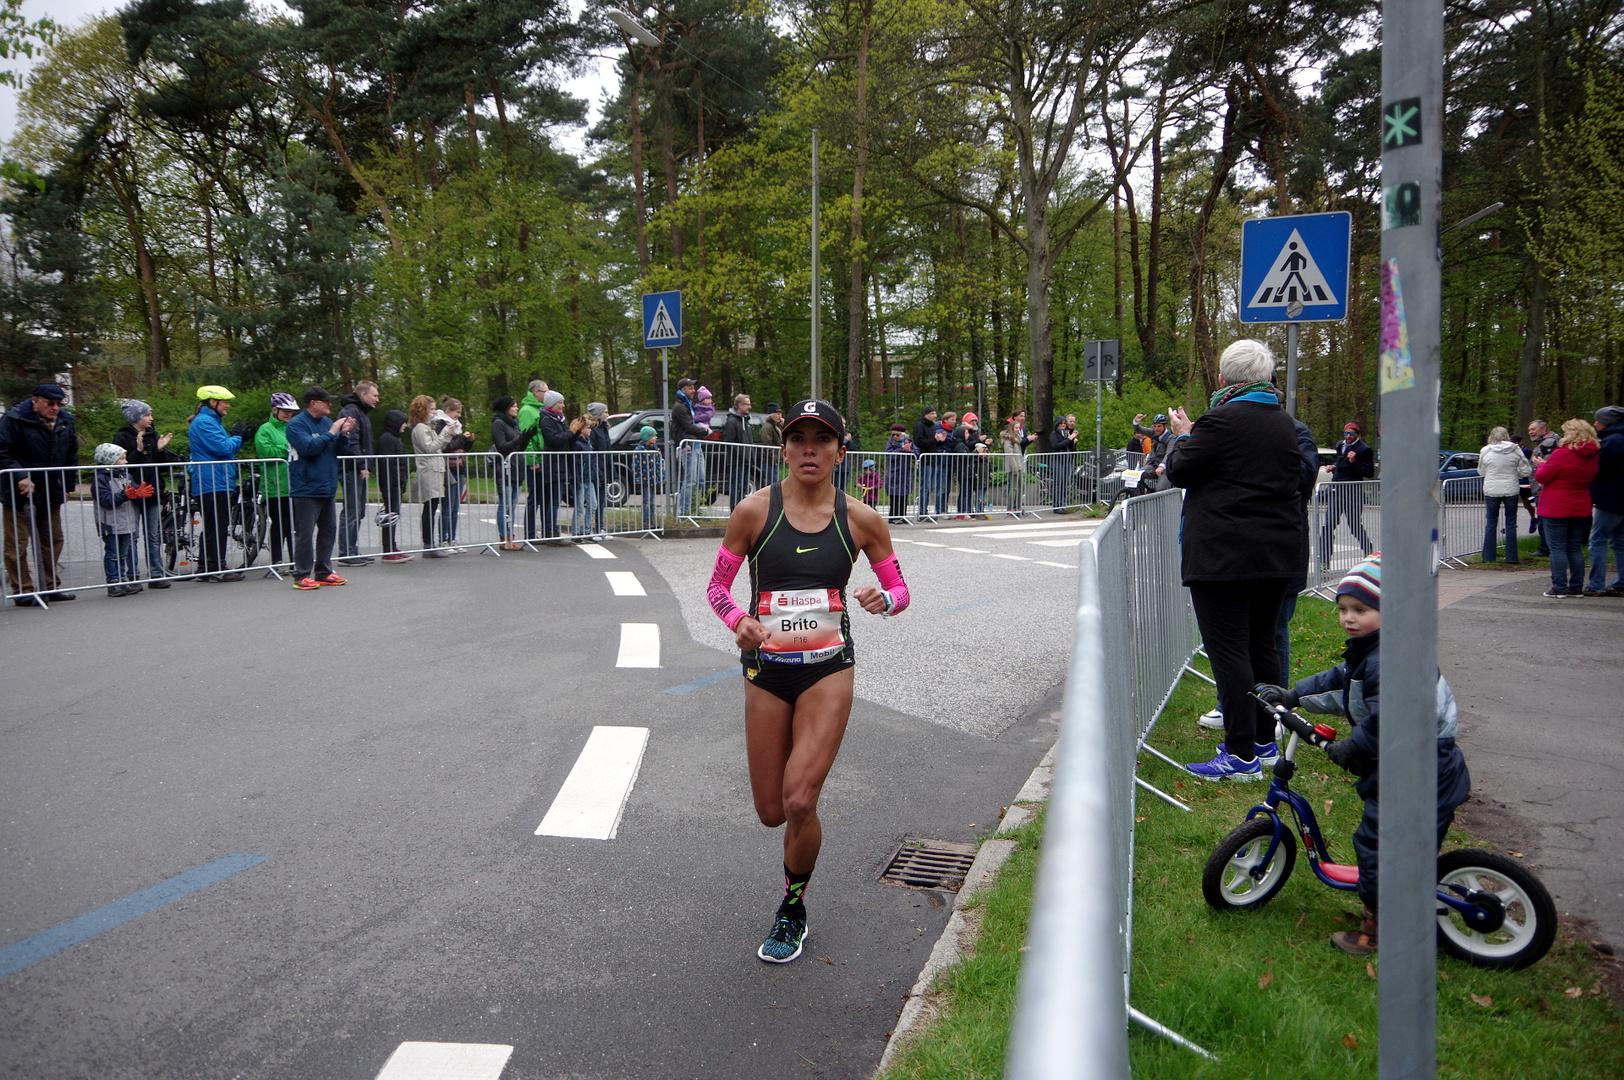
670, 445
1412, 165
817, 330
1291, 368
1099, 432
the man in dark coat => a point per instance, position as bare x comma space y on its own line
1245, 541
1607, 495
1355, 461
932, 469
36, 434
355, 468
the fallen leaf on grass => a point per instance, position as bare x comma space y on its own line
1300, 919
1483, 999
1023, 948
1572, 992
1444, 975
1264, 980
1337, 917
1328, 803
1370, 969
1350, 1042
1179, 784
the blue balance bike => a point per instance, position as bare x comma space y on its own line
1491, 911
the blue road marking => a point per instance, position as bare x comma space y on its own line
15, 957
967, 607
703, 681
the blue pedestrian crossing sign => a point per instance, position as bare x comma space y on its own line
662, 319
1295, 269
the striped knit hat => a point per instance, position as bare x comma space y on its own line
1364, 582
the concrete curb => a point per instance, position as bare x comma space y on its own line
964, 927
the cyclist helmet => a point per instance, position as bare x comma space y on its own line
284, 401
215, 393
1160, 418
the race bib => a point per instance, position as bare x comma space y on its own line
803, 625
1130, 477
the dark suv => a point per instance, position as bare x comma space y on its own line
623, 435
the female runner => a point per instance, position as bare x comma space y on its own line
801, 536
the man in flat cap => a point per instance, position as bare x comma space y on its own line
36, 434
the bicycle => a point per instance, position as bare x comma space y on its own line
177, 518
1492, 912
250, 520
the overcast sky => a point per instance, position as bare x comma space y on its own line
69, 13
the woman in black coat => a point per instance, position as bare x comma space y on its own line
1245, 540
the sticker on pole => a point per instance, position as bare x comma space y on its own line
662, 320
1295, 269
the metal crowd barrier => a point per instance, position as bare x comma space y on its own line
1461, 518
1134, 637
711, 476
1344, 527
76, 531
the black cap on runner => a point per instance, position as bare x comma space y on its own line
821, 411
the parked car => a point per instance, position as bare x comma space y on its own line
623, 435
1457, 464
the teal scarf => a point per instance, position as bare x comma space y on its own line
1230, 393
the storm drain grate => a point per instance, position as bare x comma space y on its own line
930, 864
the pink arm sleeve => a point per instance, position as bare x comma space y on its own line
891, 584
720, 592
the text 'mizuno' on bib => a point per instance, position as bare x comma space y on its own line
803, 625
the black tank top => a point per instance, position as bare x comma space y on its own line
798, 587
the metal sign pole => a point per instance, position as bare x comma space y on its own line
670, 448
817, 330
1412, 165
1099, 428
1291, 368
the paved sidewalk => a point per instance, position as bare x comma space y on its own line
1540, 683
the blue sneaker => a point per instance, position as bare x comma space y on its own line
783, 942
1226, 767
1267, 753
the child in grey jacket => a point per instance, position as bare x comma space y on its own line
118, 518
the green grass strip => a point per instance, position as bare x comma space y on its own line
1265, 990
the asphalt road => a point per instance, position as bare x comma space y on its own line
390, 748
1539, 686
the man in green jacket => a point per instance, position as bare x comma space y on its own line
271, 441
530, 414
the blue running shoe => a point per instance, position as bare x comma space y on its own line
1226, 767
1267, 753
784, 941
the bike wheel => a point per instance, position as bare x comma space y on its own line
1529, 925
1227, 880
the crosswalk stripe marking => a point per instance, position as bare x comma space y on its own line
624, 583
597, 551
594, 794
1088, 525
446, 1061
639, 645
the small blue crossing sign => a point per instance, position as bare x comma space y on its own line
1295, 269
662, 319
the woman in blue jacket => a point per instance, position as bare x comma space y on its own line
213, 484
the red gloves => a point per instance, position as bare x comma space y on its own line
144, 491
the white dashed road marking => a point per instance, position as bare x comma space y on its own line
969, 551
927, 543
1062, 565
597, 551
446, 1061
1012, 558
624, 582
1071, 541
594, 794
639, 645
